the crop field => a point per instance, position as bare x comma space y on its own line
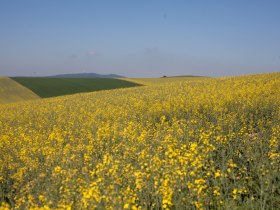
196, 144
50, 87
162, 80
11, 91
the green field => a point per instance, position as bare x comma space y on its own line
11, 91
51, 87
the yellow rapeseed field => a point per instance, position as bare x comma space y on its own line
161, 80
202, 144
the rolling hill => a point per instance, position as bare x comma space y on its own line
11, 91
162, 80
16, 89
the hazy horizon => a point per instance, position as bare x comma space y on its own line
139, 38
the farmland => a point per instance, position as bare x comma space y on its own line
196, 144
11, 91
50, 87
162, 80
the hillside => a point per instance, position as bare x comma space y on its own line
87, 75
162, 80
61, 85
11, 91
50, 87
202, 144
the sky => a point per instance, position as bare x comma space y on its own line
139, 38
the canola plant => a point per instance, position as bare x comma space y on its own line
203, 144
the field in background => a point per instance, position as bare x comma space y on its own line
162, 80
50, 87
202, 144
11, 91
25, 88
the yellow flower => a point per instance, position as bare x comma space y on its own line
126, 206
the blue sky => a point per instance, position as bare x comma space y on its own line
139, 38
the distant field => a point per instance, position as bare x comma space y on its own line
50, 87
11, 91
151, 81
